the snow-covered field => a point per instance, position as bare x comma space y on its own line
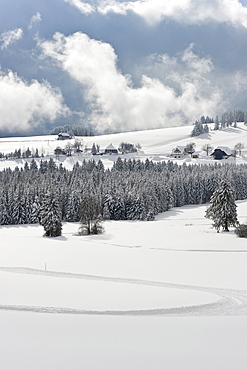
145, 295
156, 145
168, 294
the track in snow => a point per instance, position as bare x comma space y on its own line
231, 301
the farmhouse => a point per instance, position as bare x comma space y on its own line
59, 151
222, 152
63, 136
111, 150
178, 152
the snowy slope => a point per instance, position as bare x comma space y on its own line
142, 295
168, 294
155, 145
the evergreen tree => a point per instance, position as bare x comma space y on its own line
205, 129
50, 215
33, 165
73, 207
19, 208
94, 150
245, 118
216, 124
34, 214
222, 209
198, 129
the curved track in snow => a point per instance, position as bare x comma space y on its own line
231, 301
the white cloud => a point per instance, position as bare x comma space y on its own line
84, 8
25, 105
9, 37
185, 11
36, 18
116, 104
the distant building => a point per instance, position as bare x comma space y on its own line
178, 152
63, 136
59, 151
222, 152
195, 155
111, 150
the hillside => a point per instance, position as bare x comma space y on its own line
169, 293
156, 145
142, 295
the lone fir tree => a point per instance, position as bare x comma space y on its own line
223, 209
50, 215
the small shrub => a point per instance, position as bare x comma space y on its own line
241, 231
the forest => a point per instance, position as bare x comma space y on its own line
130, 190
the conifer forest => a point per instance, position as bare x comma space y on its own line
130, 190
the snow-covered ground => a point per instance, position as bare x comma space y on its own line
156, 145
144, 295
168, 294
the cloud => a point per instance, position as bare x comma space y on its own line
85, 8
184, 11
34, 20
116, 104
9, 37
24, 106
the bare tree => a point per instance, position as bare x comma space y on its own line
207, 148
69, 149
78, 145
90, 216
190, 148
239, 147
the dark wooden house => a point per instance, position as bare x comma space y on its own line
111, 150
59, 151
63, 136
221, 152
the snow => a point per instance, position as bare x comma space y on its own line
142, 295
165, 294
156, 145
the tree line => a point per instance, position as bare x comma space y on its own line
227, 119
130, 190
74, 130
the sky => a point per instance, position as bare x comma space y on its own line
119, 65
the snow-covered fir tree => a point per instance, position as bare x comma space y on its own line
50, 215
132, 189
198, 129
223, 209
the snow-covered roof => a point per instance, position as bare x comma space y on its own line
179, 147
63, 134
225, 149
110, 147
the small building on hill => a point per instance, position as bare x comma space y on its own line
221, 152
59, 151
195, 155
63, 136
111, 150
178, 152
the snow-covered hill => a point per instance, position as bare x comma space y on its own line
145, 295
167, 294
155, 144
